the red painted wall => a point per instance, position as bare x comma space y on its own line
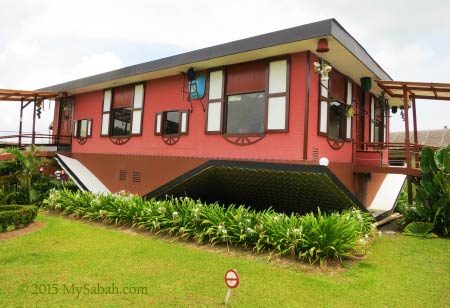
165, 94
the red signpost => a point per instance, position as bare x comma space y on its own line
232, 281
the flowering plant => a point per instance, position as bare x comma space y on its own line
323, 69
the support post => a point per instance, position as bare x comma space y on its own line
410, 189
416, 138
20, 123
407, 142
33, 135
306, 124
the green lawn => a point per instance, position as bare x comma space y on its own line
399, 271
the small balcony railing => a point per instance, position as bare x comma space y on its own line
49, 141
387, 157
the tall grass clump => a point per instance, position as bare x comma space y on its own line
312, 237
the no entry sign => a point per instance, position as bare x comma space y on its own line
231, 279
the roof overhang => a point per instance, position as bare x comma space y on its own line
419, 90
285, 187
346, 55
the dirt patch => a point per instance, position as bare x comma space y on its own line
390, 228
33, 226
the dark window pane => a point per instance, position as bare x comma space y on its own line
337, 118
171, 123
121, 121
379, 121
245, 113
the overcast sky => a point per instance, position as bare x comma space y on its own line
45, 42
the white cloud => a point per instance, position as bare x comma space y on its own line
54, 41
95, 64
23, 48
406, 60
39, 78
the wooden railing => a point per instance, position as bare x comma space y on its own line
24, 140
381, 156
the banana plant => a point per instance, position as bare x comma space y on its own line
433, 193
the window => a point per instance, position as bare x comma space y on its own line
82, 128
377, 119
121, 121
245, 113
122, 111
172, 123
277, 101
336, 95
249, 98
215, 102
336, 120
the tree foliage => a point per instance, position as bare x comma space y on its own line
432, 201
20, 178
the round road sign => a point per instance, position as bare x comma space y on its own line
231, 279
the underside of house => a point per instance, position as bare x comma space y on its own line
295, 120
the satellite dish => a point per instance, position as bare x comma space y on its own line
196, 87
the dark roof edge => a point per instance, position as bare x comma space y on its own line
74, 177
299, 33
346, 39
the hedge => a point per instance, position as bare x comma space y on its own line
16, 215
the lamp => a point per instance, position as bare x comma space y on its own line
366, 83
322, 45
191, 75
324, 161
322, 67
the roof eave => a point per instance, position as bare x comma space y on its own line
329, 27
347, 40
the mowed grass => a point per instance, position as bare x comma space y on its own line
399, 271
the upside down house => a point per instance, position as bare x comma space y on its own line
292, 119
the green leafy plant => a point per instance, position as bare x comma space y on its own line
432, 201
310, 237
16, 215
419, 229
20, 179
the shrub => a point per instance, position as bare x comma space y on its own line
432, 201
16, 215
309, 237
21, 181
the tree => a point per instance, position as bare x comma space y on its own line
21, 170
